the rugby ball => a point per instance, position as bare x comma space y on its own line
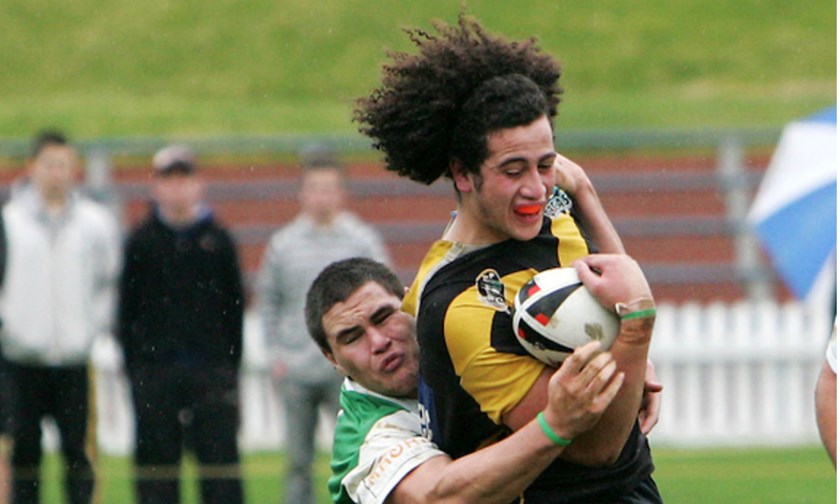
554, 313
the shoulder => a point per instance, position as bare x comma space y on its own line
89, 206
363, 407
362, 410
147, 224
95, 217
144, 231
13, 210
377, 443
439, 255
281, 237
352, 223
97, 210
278, 246
219, 228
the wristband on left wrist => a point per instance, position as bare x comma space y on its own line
549, 432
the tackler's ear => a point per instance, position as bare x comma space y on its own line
330, 357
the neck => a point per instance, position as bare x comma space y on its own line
54, 201
468, 229
179, 217
323, 220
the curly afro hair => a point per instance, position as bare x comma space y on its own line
442, 103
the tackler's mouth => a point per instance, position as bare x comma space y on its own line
392, 363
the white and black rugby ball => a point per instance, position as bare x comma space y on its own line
554, 313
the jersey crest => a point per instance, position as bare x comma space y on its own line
491, 289
559, 203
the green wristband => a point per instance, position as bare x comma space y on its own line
550, 433
650, 312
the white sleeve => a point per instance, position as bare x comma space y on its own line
107, 242
393, 448
831, 350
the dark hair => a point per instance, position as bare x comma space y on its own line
313, 157
339, 281
443, 102
45, 139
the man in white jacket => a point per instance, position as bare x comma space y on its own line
61, 264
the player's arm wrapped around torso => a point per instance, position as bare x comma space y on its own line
393, 448
491, 364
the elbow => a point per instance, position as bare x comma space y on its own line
445, 492
592, 458
607, 458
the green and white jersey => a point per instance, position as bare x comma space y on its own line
378, 441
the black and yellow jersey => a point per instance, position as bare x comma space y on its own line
473, 371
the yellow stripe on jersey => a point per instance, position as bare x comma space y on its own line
439, 255
497, 381
571, 245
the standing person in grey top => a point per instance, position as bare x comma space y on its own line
323, 232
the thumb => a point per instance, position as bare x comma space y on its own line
584, 271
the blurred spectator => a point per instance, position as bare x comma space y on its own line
826, 398
180, 325
323, 232
57, 297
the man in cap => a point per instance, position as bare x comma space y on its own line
180, 325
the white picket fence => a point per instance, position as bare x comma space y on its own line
739, 374
733, 375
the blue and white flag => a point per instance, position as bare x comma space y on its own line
795, 210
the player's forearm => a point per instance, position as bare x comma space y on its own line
594, 220
497, 474
602, 444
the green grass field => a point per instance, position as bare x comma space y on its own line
695, 476
746, 476
195, 68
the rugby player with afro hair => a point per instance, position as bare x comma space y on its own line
479, 109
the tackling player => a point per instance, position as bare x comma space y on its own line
379, 452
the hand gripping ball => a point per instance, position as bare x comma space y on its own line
554, 313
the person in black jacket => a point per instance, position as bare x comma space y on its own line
180, 325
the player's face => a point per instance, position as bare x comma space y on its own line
373, 341
507, 199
